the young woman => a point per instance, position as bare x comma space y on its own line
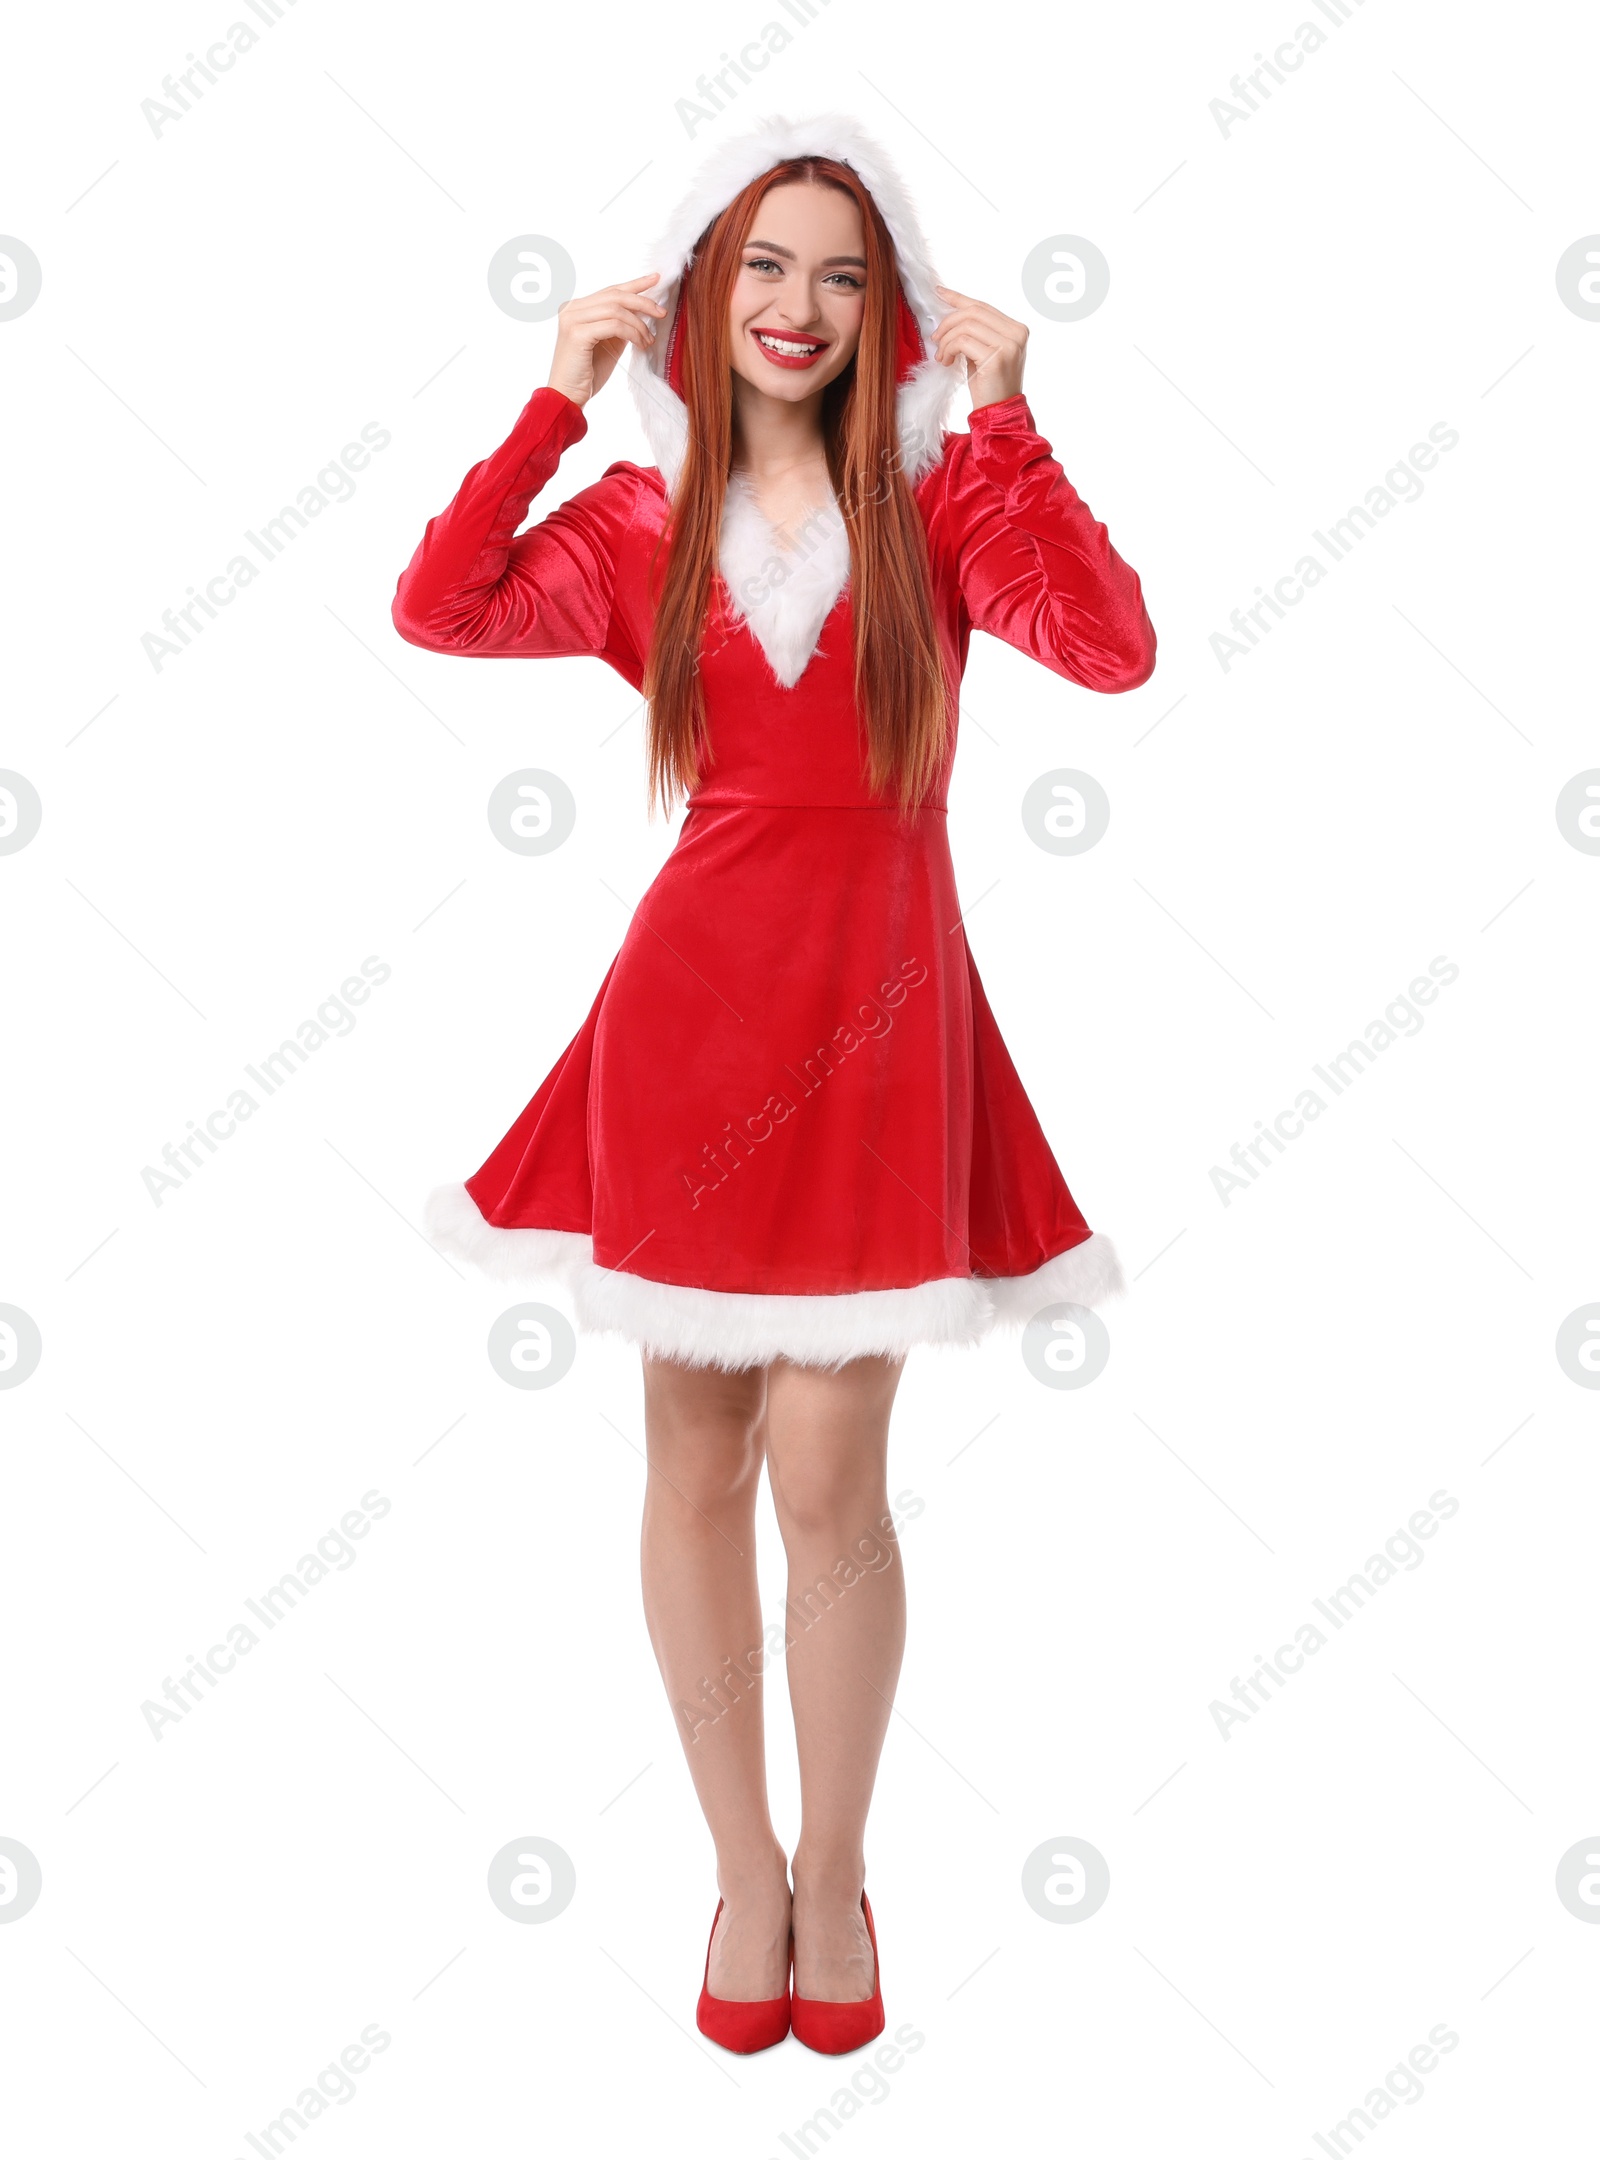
787, 1144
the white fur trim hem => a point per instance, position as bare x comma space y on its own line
734, 1330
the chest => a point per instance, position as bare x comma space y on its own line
784, 564
785, 561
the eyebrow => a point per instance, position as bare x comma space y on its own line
789, 255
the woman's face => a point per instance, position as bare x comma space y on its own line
802, 283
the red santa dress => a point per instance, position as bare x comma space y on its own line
788, 1125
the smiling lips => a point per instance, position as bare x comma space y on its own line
784, 349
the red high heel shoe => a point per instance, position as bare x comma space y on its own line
742, 2027
838, 2028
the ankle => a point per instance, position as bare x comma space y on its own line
829, 1877
754, 1878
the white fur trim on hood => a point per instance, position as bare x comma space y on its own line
787, 608
733, 1330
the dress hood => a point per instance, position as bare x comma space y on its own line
925, 383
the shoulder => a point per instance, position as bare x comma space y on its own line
946, 482
959, 447
954, 445
640, 489
628, 481
974, 463
624, 498
645, 477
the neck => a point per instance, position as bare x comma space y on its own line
774, 436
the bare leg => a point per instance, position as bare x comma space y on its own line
827, 1445
703, 1432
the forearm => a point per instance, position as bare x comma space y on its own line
1042, 571
455, 594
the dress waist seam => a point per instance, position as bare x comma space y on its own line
744, 802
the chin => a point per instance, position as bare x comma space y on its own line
790, 387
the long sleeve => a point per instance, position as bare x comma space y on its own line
476, 587
1034, 566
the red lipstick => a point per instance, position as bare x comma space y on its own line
815, 347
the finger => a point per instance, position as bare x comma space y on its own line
620, 326
974, 310
973, 314
633, 310
593, 315
968, 330
612, 297
633, 285
954, 326
980, 312
977, 351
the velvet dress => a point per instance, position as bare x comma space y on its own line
789, 1088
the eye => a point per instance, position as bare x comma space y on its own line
844, 277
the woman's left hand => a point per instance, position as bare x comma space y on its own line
991, 344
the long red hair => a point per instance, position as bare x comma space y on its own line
903, 696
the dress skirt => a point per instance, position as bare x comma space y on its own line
788, 1125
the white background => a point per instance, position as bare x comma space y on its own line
1292, 840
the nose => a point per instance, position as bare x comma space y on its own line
800, 310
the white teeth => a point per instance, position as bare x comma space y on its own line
785, 345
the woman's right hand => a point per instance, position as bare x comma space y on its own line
592, 330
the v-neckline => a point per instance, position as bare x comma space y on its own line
778, 532
786, 615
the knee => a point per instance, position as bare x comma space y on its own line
704, 1444
817, 1496
711, 1478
